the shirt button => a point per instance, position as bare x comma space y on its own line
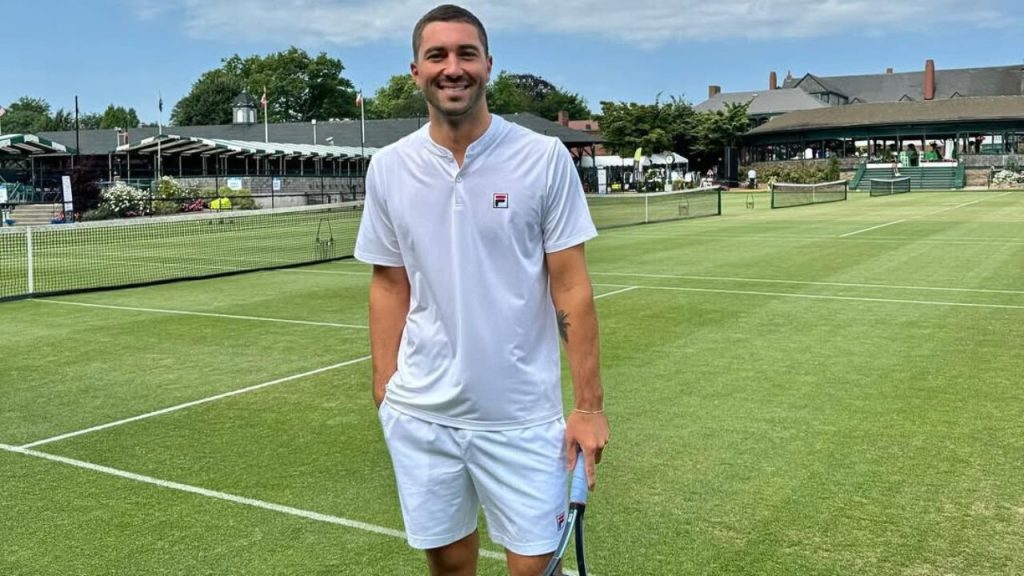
458, 178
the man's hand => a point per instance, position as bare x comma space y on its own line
590, 433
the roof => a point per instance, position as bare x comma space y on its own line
379, 133
193, 145
243, 99
960, 82
987, 109
765, 102
30, 145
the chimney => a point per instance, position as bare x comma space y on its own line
929, 79
773, 81
714, 91
888, 71
563, 117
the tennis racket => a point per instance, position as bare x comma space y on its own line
574, 521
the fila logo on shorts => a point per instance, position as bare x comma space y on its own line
500, 200
560, 520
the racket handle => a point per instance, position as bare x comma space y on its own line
578, 489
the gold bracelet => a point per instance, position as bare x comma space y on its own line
601, 411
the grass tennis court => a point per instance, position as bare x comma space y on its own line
830, 389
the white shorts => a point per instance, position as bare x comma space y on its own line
445, 474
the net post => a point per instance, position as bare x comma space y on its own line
28, 246
647, 209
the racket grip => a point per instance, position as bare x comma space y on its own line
578, 489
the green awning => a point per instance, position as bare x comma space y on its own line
175, 145
31, 145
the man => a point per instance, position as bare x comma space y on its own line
475, 229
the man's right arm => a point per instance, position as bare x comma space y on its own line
389, 306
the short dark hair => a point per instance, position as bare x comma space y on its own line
446, 13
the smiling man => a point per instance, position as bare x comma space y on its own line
475, 230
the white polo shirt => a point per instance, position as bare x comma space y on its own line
480, 345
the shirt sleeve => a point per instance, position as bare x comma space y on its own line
567, 220
377, 242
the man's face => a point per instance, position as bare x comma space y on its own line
452, 68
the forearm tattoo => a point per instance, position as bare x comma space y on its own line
563, 325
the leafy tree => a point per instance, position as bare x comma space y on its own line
89, 121
26, 116
119, 117
210, 99
716, 130
399, 98
511, 93
299, 88
654, 127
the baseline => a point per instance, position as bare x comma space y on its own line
808, 282
823, 297
207, 314
177, 407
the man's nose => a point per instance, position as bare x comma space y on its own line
452, 66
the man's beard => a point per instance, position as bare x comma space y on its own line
437, 100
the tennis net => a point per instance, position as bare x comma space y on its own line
614, 210
889, 186
64, 258
785, 195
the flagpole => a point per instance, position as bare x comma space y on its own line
266, 125
362, 132
160, 132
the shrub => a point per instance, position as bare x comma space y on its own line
102, 212
241, 199
123, 200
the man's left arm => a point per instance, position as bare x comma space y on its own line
573, 297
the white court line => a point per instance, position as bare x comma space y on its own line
341, 272
291, 511
822, 297
807, 283
233, 498
923, 215
626, 289
170, 409
872, 228
208, 314
961, 241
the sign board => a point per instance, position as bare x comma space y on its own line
65, 182
602, 181
277, 184
3, 194
235, 183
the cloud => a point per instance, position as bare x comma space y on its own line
638, 22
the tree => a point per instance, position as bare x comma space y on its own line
654, 127
119, 117
27, 116
714, 131
399, 98
511, 93
210, 99
299, 88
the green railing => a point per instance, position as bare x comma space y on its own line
858, 175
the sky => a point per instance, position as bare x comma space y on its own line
127, 52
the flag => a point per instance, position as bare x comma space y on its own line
3, 110
263, 100
160, 104
638, 154
359, 100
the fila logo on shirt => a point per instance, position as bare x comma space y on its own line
500, 200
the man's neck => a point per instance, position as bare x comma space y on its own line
457, 134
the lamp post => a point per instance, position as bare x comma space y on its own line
314, 130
